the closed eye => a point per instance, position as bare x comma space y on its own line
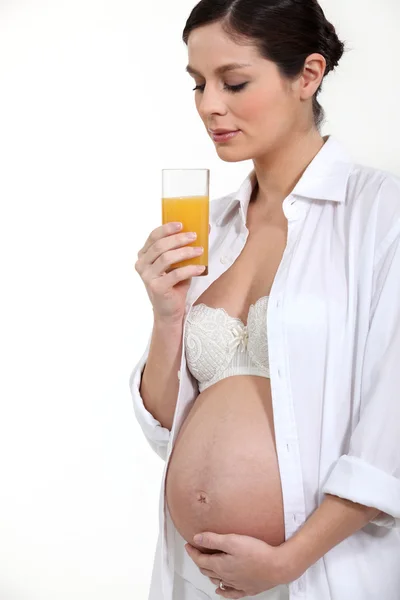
229, 88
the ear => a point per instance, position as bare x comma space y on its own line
313, 73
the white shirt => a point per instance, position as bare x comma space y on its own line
333, 325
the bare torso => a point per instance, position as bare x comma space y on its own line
223, 474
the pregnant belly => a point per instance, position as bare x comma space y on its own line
223, 474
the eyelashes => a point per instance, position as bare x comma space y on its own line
230, 88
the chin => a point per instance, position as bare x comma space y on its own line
233, 155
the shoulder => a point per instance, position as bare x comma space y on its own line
373, 200
377, 184
375, 187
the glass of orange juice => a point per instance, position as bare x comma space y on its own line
186, 199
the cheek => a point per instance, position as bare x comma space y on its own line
253, 106
263, 105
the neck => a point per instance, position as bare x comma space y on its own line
278, 172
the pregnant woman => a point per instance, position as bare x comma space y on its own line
270, 387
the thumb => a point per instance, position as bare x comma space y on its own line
214, 541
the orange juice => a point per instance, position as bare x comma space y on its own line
193, 213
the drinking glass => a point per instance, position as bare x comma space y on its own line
186, 199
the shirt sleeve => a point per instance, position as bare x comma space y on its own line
370, 473
156, 435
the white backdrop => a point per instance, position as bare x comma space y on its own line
94, 102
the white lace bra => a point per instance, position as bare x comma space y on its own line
218, 345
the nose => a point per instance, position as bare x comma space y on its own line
210, 103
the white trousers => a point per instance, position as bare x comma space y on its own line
191, 584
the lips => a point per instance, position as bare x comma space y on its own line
221, 138
219, 131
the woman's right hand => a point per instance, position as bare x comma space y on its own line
167, 291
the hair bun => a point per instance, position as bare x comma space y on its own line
334, 47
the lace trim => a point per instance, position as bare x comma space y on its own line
212, 337
262, 300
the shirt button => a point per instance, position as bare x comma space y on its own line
224, 260
179, 374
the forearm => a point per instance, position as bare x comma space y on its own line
160, 383
332, 522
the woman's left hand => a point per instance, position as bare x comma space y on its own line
247, 564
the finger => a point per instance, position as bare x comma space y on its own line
158, 234
202, 559
209, 573
233, 594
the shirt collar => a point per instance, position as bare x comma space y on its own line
325, 178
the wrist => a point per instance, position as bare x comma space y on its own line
168, 324
291, 563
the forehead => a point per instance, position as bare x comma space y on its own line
210, 45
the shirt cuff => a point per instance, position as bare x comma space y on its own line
354, 479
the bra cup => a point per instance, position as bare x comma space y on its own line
209, 336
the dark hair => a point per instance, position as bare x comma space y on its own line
284, 31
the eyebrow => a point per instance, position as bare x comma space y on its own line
219, 70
